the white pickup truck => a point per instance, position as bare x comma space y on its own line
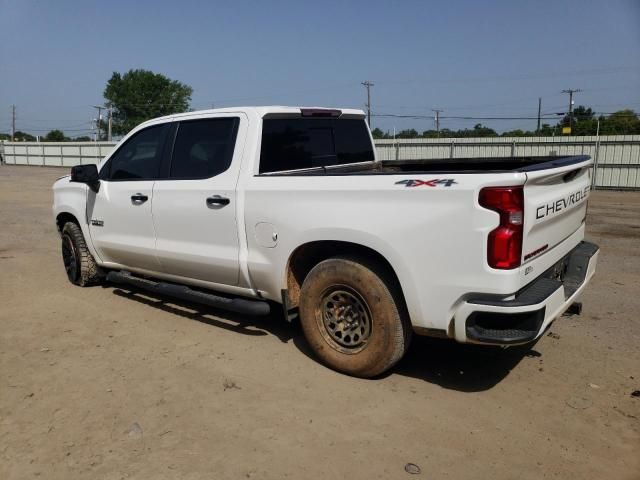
243, 208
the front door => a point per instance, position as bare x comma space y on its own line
119, 213
194, 210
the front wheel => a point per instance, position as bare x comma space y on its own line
353, 316
79, 264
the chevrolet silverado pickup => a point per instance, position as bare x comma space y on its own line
247, 208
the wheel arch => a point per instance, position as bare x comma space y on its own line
308, 255
65, 217
64, 214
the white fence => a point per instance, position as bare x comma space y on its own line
617, 157
55, 154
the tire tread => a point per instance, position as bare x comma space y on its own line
391, 294
90, 272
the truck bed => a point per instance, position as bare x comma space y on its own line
452, 165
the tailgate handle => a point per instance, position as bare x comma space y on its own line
571, 175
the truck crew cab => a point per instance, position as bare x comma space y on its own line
242, 207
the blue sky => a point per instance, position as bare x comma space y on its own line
470, 58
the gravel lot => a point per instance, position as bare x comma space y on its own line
107, 383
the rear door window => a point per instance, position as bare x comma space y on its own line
203, 148
296, 143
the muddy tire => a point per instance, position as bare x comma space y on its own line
353, 316
79, 264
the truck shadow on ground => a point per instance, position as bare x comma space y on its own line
454, 366
271, 324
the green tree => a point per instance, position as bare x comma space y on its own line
478, 130
430, 134
410, 133
139, 95
516, 133
584, 122
82, 138
579, 113
623, 122
547, 130
24, 137
377, 133
55, 136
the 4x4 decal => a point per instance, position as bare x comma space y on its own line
447, 182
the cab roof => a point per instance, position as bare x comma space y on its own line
271, 110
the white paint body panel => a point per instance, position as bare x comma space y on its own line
435, 239
194, 240
127, 235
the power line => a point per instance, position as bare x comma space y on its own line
518, 77
40, 120
49, 129
56, 127
543, 117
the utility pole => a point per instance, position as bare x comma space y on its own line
571, 91
539, 113
438, 112
368, 86
99, 107
13, 123
110, 108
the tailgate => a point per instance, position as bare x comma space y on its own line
555, 205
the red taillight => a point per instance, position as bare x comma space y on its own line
504, 250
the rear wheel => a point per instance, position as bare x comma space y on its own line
353, 316
79, 264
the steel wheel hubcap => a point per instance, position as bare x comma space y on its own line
346, 318
69, 258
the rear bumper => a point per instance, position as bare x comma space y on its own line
526, 314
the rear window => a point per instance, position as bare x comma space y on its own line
295, 143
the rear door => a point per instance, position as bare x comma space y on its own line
119, 213
555, 205
194, 209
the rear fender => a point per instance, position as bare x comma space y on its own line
372, 242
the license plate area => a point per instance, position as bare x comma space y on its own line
571, 269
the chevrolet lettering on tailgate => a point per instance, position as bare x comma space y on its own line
562, 204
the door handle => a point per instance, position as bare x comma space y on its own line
217, 200
138, 198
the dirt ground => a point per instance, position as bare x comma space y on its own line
106, 383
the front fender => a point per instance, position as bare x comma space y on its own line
71, 198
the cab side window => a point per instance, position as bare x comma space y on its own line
140, 157
203, 148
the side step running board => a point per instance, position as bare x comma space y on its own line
238, 305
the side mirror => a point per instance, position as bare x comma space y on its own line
86, 174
